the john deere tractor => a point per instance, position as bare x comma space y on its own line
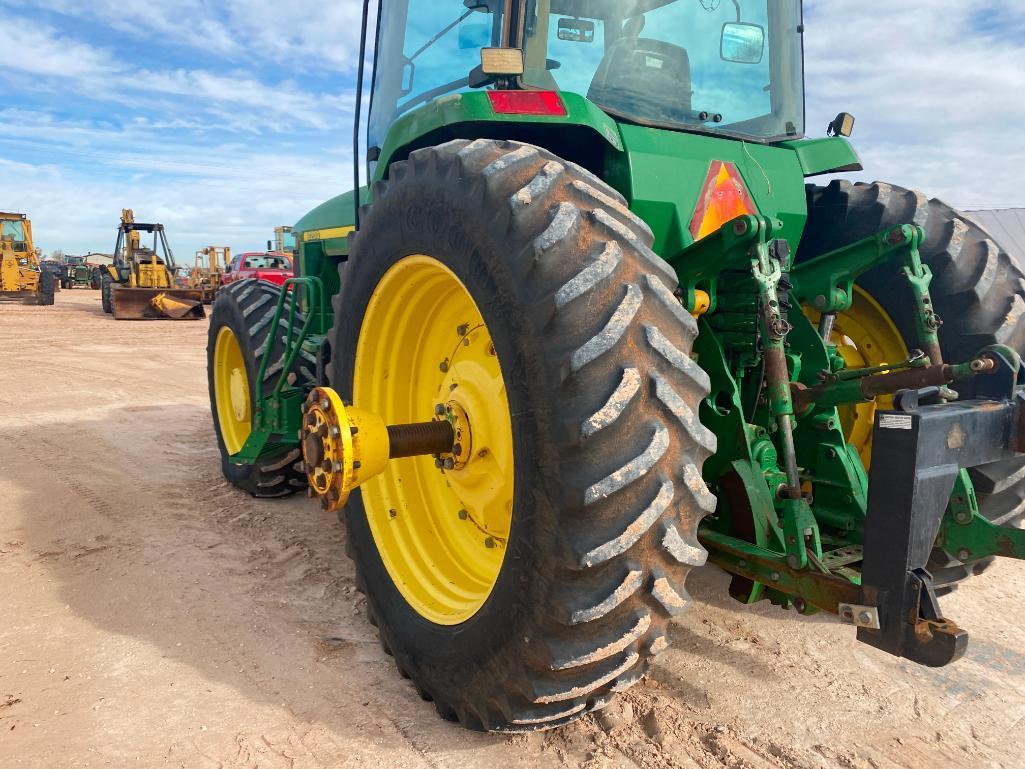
141, 283
588, 327
21, 273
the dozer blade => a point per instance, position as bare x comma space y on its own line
157, 304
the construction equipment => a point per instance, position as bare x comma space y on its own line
211, 264
284, 241
589, 329
21, 274
140, 284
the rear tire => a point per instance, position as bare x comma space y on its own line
594, 350
978, 289
247, 308
47, 288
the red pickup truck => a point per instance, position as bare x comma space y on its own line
271, 266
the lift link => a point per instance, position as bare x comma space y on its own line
343, 447
769, 263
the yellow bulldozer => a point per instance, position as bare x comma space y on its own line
211, 263
140, 284
21, 273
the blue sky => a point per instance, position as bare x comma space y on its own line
225, 119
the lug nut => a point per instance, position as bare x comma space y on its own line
443, 366
449, 463
325, 404
463, 515
457, 449
439, 410
864, 618
326, 466
335, 432
463, 329
357, 465
489, 543
438, 463
337, 467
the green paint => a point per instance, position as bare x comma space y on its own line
824, 156
968, 536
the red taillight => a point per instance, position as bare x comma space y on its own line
527, 103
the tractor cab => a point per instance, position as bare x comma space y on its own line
732, 68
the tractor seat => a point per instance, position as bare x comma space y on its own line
645, 77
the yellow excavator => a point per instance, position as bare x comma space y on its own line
21, 274
140, 285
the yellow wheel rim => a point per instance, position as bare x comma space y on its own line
866, 337
231, 391
442, 534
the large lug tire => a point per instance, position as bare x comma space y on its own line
47, 288
247, 309
978, 288
107, 294
594, 350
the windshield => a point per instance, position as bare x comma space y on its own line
730, 66
12, 230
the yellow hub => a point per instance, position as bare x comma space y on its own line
231, 391
866, 337
342, 447
441, 523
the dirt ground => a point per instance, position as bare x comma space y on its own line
151, 616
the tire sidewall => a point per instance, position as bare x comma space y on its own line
440, 222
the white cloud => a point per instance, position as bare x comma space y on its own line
935, 93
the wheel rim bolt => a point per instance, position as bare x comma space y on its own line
489, 543
463, 515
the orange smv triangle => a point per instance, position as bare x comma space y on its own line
723, 198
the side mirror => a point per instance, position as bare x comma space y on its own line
742, 43
576, 30
476, 35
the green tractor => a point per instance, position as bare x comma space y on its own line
588, 327
80, 273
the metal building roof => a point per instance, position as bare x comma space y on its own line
1006, 226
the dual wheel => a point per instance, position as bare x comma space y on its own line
527, 577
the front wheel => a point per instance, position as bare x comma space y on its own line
512, 292
239, 327
107, 294
47, 288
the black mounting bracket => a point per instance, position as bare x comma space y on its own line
916, 457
